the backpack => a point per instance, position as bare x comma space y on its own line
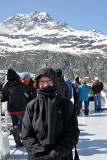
17, 97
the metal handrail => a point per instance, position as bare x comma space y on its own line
3, 119
4, 132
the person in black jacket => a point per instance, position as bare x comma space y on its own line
50, 126
97, 87
75, 95
15, 93
62, 88
31, 90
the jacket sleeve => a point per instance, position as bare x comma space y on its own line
78, 89
70, 136
29, 139
71, 90
67, 94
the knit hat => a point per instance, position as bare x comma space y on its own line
24, 75
96, 78
77, 79
12, 75
58, 72
48, 72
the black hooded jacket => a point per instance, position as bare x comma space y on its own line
75, 86
62, 89
31, 91
50, 127
14, 92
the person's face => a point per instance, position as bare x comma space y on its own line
21, 79
26, 81
45, 81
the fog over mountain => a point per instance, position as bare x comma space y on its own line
29, 42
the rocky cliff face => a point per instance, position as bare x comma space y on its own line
29, 42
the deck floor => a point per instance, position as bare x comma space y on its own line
92, 141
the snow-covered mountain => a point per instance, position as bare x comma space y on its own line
37, 35
36, 31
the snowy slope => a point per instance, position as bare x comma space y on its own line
37, 31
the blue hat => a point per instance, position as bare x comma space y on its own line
24, 75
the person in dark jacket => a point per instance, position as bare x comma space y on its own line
97, 87
50, 126
14, 92
75, 95
31, 91
62, 88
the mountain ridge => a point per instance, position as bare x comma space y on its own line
37, 35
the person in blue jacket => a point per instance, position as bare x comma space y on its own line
68, 82
83, 90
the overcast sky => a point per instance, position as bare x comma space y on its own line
79, 14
